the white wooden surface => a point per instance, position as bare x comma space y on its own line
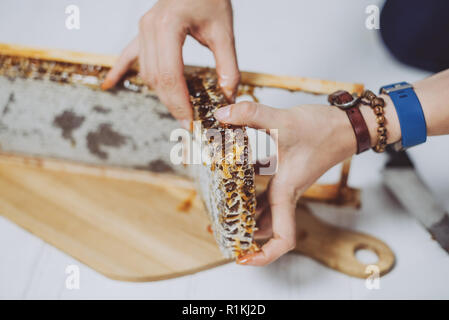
283, 37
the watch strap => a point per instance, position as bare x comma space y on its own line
410, 114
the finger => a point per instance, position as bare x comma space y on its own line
148, 56
148, 62
284, 236
263, 217
266, 166
171, 85
264, 225
246, 113
262, 203
124, 62
222, 45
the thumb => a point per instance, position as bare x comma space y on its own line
251, 114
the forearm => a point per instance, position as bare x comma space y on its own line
433, 93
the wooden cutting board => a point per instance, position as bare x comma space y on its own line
151, 229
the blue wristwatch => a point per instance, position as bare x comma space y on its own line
410, 114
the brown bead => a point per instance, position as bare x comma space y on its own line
378, 110
381, 130
382, 139
377, 102
380, 119
369, 95
379, 149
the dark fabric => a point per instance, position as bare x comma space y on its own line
417, 32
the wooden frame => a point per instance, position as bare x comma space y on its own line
315, 86
338, 194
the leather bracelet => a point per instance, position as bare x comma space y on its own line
350, 104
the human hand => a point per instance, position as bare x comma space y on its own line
310, 139
158, 47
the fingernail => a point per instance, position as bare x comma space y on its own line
229, 94
107, 83
242, 260
222, 114
186, 124
247, 258
104, 86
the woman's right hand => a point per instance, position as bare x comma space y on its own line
158, 47
310, 140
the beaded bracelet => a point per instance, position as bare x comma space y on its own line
377, 104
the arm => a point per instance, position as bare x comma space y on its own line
433, 94
158, 48
312, 139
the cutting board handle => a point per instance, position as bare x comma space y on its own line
336, 247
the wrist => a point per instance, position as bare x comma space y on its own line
343, 138
344, 133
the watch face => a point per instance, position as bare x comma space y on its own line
396, 87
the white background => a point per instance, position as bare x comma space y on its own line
321, 39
